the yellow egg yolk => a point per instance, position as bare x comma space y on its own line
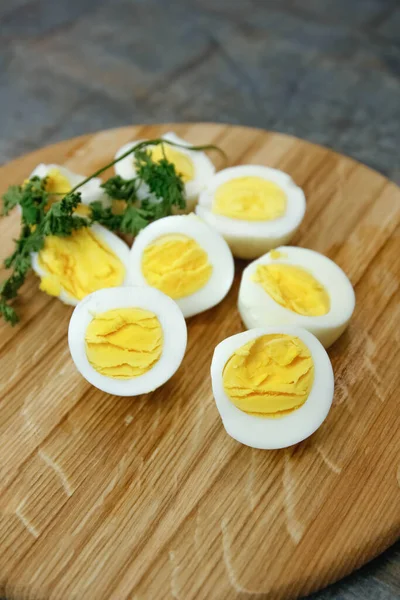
270, 376
83, 210
293, 288
176, 264
79, 264
250, 199
183, 163
124, 342
58, 184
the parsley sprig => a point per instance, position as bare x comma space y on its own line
36, 225
165, 191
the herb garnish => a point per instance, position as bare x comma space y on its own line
166, 191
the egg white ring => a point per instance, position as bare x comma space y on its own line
174, 337
204, 169
125, 168
257, 308
237, 228
268, 433
219, 256
116, 245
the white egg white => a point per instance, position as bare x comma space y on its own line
219, 256
118, 247
90, 191
203, 168
251, 239
258, 309
270, 433
174, 337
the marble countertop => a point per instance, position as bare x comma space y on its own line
324, 70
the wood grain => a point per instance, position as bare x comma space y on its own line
147, 498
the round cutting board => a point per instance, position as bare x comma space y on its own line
104, 497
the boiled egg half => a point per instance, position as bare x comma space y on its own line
61, 180
184, 258
194, 167
255, 208
297, 286
72, 267
128, 340
273, 386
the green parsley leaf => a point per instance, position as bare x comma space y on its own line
60, 219
133, 220
162, 180
11, 198
105, 216
122, 189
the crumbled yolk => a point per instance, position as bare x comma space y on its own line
293, 288
124, 342
250, 199
270, 376
59, 184
79, 264
183, 163
118, 206
176, 264
83, 210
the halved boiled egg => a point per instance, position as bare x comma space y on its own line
273, 386
73, 267
128, 340
194, 167
61, 180
184, 258
255, 208
297, 286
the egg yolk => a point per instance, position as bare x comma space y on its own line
58, 184
183, 163
270, 376
250, 199
83, 210
293, 288
176, 264
79, 264
124, 343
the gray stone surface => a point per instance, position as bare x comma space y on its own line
327, 71
324, 70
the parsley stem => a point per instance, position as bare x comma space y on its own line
144, 144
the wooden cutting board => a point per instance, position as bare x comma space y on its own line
148, 498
